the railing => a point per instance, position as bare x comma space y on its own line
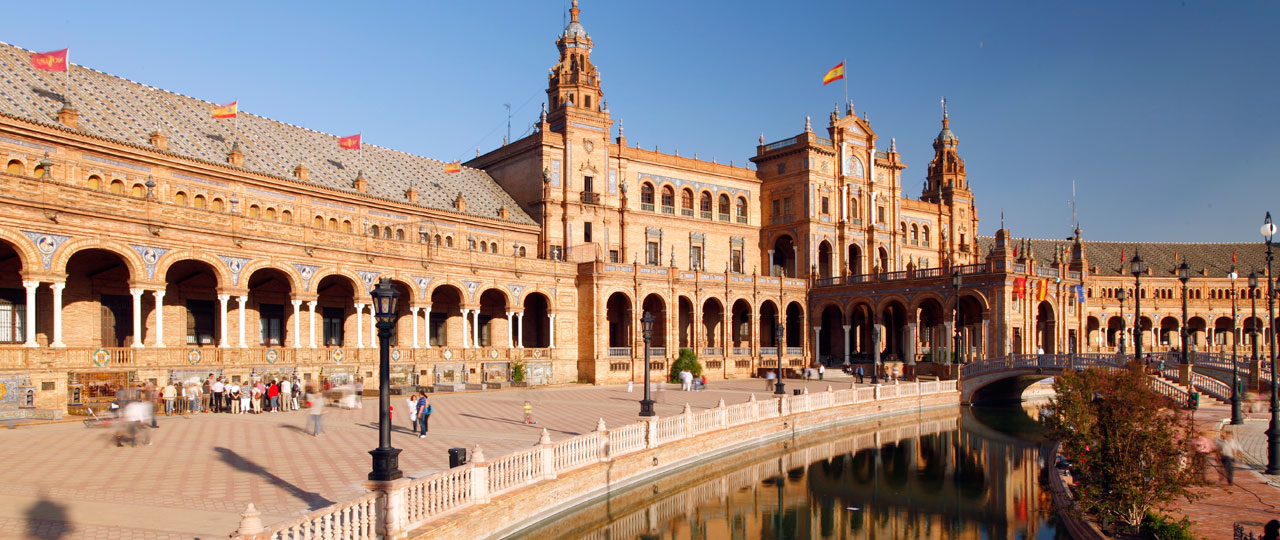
743, 351
795, 351
572, 453
355, 519
590, 197
436, 495
514, 470
768, 351
1211, 386
713, 351
660, 352
617, 352
626, 439
780, 144
686, 212
670, 210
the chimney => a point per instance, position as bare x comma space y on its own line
301, 172
159, 140
459, 203
502, 212
361, 184
412, 195
236, 157
68, 116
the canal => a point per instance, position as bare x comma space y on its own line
967, 473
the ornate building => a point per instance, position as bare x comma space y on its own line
144, 240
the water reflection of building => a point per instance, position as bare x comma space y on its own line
952, 478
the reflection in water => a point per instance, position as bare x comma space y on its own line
972, 475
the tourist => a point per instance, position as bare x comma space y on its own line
216, 400
528, 413
206, 390
769, 377
233, 392
822, 370
256, 397
244, 392
412, 403
170, 394
686, 380
192, 394
424, 410
1227, 450
285, 388
704, 383
359, 397
297, 389
859, 373
273, 394
315, 412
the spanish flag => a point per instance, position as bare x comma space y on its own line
453, 167
50, 61
350, 142
1044, 290
834, 75
226, 111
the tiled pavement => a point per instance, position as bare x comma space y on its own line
1255, 497
70, 482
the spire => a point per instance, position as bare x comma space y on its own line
573, 12
808, 127
944, 112
893, 145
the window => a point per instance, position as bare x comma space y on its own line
117, 187
786, 206
493, 248
686, 203
588, 183
777, 207
853, 208
613, 255
333, 224
270, 214
95, 182
346, 225
200, 322
902, 230
138, 191
271, 324
522, 252
12, 329
742, 210
386, 233
826, 205
331, 323
285, 215
374, 230
471, 244
924, 235
724, 207
15, 167
695, 257
782, 168
651, 254
199, 202
704, 204
915, 234
668, 200
484, 247
179, 198
646, 196
880, 214
318, 222
586, 232
38, 171
216, 205
448, 241
735, 261
254, 211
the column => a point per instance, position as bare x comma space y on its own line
29, 325
844, 203
910, 348
373, 328
311, 306
360, 326
846, 344
466, 334
511, 329
817, 347
982, 340
137, 317
520, 336
949, 342
159, 318
552, 343
475, 329
57, 314
222, 318
414, 311
243, 302
427, 318
770, 263
297, 304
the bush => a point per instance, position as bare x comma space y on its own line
1165, 528
688, 361
517, 372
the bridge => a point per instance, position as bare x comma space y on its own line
1008, 376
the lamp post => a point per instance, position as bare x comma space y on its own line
386, 460
1136, 268
779, 332
1273, 431
1255, 379
646, 326
1184, 275
1236, 417
955, 314
1120, 295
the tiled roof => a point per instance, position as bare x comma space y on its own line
122, 110
1161, 257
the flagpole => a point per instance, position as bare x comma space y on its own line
844, 68
66, 88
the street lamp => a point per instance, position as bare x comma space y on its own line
1236, 417
1273, 431
1254, 377
1184, 275
779, 331
955, 314
646, 327
386, 460
1120, 295
1136, 268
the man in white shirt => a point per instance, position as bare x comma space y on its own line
215, 402
286, 403
686, 380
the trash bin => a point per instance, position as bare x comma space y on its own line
1194, 400
795, 392
457, 457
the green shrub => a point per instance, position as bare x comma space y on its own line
1165, 528
517, 372
688, 361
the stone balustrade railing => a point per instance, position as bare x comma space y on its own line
413, 503
18, 357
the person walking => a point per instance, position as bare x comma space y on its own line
297, 389
528, 413
769, 378
314, 414
859, 373
424, 412
411, 403
170, 394
686, 380
206, 390
1228, 448
822, 371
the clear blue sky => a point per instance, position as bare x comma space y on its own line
1165, 114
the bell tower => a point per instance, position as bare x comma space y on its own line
573, 85
947, 186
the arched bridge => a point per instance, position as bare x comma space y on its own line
1007, 377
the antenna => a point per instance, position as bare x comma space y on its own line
1074, 221
508, 106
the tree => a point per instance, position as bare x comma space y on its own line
688, 361
1130, 444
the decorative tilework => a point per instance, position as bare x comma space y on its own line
471, 289
555, 173
516, 291
680, 182
613, 181
149, 257
368, 277
46, 244
235, 265
423, 282
306, 271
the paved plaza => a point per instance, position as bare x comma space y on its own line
67, 481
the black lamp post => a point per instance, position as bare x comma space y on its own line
1253, 329
1236, 417
1273, 431
1184, 275
955, 314
1120, 295
386, 460
646, 327
779, 333
1136, 268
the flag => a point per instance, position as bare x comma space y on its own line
1122, 260
453, 167
1020, 287
835, 74
350, 142
1233, 257
1080, 292
1044, 290
227, 111
1015, 252
50, 61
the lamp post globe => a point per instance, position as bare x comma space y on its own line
779, 333
1273, 430
386, 460
646, 326
1136, 268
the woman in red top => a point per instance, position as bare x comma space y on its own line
273, 392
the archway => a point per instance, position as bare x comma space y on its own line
883, 263
931, 338
1046, 328
269, 292
831, 336
1196, 329
684, 322
655, 305
860, 338
784, 257
1115, 332
618, 314
894, 320
854, 262
335, 303
13, 297
768, 321
1222, 334
1093, 332
445, 326
712, 322
97, 291
192, 285
740, 333
492, 328
795, 325
824, 259
1170, 337
969, 321
535, 327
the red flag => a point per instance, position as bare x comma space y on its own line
50, 61
1020, 286
1233, 257
227, 111
1015, 252
453, 167
350, 142
1122, 260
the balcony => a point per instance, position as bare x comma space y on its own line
619, 352
795, 351
706, 214
590, 197
670, 210
713, 351
686, 212
742, 351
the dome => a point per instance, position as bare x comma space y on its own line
575, 30
946, 135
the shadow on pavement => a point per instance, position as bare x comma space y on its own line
230, 457
394, 428
47, 520
520, 423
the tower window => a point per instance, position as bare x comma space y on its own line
586, 232
586, 101
826, 205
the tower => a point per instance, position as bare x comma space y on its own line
947, 186
573, 84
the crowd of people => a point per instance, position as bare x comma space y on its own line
219, 395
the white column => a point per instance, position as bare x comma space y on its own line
222, 318
520, 336
159, 295
510, 330
475, 329
844, 203
360, 326
846, 343
816, 346
29, 325
57, 314
373, 329
414, 312
552, 340
297, 316
137, 317
242, 304
311, 306
427, 318
466, 334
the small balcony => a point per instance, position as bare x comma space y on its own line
590, 197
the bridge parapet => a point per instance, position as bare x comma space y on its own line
974, 376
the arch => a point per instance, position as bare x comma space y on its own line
684, 322
117, 187
131, 258
655, 304
535, 328
784, 257
492, 319
198, 202
723, 207
795, 324
853, 264
94, 182
336, 295
924, 235
915, 234
668, 199
931, 313
831, 335
97, 297
217, 266
14, 167
1046, 328
769, 314
255, 211
646, 195
712, 323
400, 234
291, 273
1197, 330
740, 210
824, 259
269, 213
216, 205
686, 202
1092, 331
318, 222
704, 204
1169, 335
740, 328
386, 233
618, 317
23, 247
853, 207
320, 274
138, 190
286, 216
893, 318
270, 290
445, 325
448, 241
860, 316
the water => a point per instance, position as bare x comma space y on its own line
971, 473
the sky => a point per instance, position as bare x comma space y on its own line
1164, 115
